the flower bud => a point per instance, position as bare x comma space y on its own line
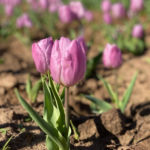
136, 5
106, 5
24, 21
9, 9
138, 31
67, 62
65, 14
118, 10
41, 52
88, 15
112, 57
107, 18
77, 8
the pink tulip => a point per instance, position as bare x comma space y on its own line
138, 31
24, 21
112, 57
107, 18
9, 10
65, 14
88, 15
82, 44
118, 10
77, 8
67, 62
106, 5
136, 5
44, 4
41, 52
54, 5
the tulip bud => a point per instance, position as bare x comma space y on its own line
112, 57
9, 10
107, 18
138, 31
136, 5
41, 52
78, 9
106, 5
88, 15
118, 10
24, 21
67, 62
65, 14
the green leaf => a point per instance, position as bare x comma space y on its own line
92, 63
103, 105
111, 93
35, 90
50, 144
76, 133
51, 113
5, 147
127, 94
48, 128
28, 87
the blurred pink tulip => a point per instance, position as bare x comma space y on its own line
138, 31
118, 10
9, 10
88, 15
136, 5
67, 62
112, 57
77, 8
41, 52
107, 18
65, 14
24, 21
106, 5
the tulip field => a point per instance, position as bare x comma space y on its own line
74, 74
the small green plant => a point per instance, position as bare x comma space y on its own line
33, 90
4, 131
100, 106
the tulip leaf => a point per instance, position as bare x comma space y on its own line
35, 90
112, 94
61, 121
51, 113
101, 104
28, 87
127, 94
48, 128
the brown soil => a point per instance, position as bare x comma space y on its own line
111, 130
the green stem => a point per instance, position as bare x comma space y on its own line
67, 106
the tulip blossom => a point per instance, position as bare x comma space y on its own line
41, 52
82, 44
65, 14
77, 8
138, 31
67, 62
107, 18
136, 5
118, 10
88, 15
106, 5
9, 6
112, 57
24, 21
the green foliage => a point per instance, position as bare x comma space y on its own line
33, 90
100, 106
92, 64
53, 121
